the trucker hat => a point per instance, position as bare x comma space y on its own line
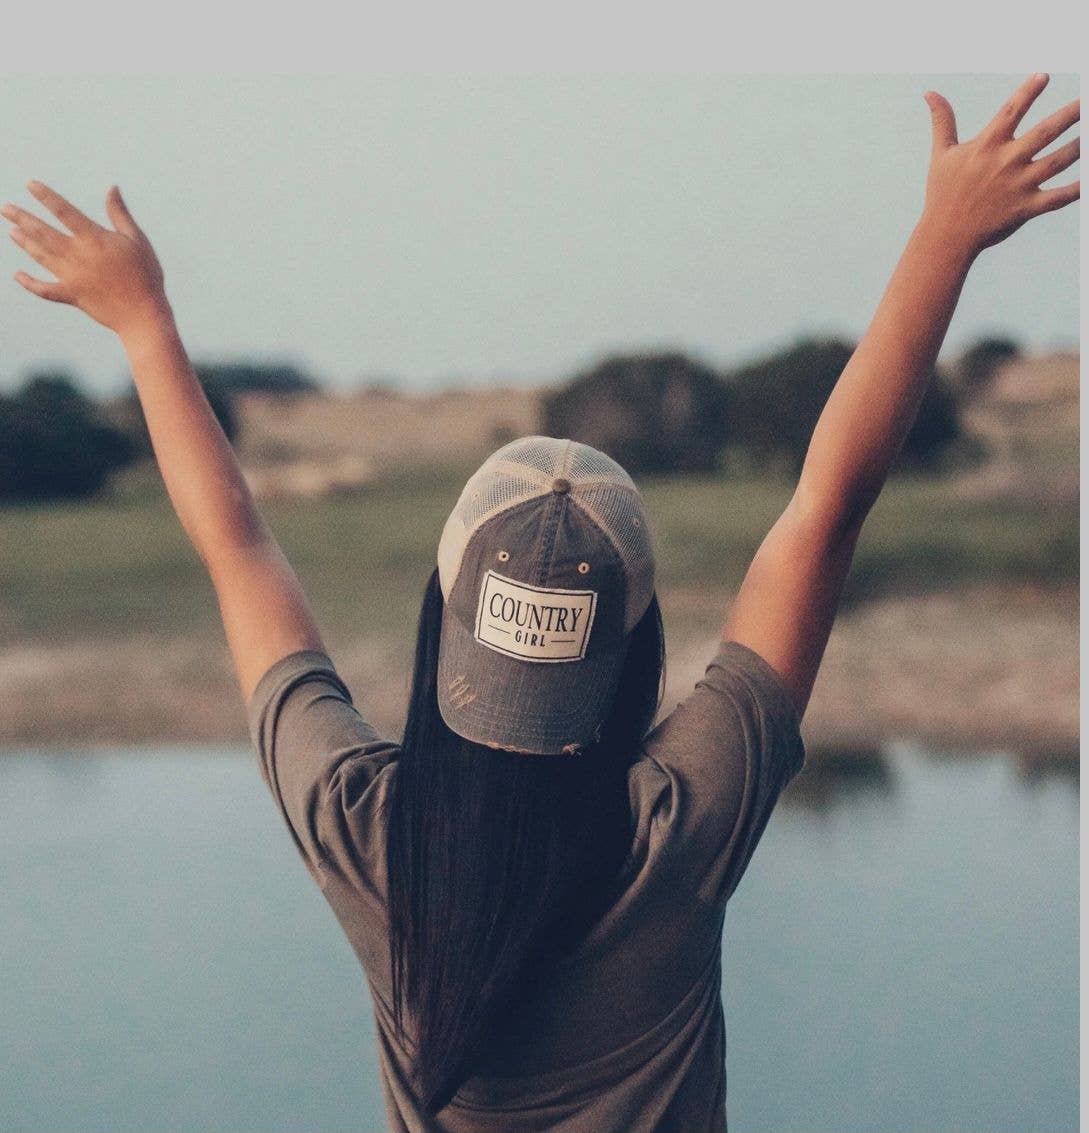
546, 566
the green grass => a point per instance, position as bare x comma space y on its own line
916, 538
122, 565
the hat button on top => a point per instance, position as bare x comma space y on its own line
561, 485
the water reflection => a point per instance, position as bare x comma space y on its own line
841, 773
1038, 765
834, 775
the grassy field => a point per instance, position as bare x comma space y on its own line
122, 565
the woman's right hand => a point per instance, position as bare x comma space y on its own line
112, 274
980, 191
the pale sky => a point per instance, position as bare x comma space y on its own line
438, 229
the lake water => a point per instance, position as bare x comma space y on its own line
902, 954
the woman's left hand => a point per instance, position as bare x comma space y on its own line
113, 275
980, 191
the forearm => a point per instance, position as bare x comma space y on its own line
875, 401
198, 465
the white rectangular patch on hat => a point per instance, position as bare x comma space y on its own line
535, 623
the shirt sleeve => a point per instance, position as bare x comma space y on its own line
322, 762
728, 750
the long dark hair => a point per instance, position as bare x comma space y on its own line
498, 860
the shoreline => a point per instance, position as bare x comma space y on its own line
978, 668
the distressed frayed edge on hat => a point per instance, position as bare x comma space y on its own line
501, 708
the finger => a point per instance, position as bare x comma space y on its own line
37, 229
1046, 167
1045, 132
54, 292
33, 248
119, 214
28, 244
1008, 118
1047, 200
64, 211
942, 121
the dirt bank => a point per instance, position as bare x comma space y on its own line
985, 668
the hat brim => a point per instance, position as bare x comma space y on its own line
526, 706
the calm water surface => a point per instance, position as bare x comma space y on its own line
902, 954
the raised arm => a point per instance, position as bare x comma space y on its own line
977, 193
114, 276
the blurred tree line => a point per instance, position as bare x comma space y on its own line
654, 413
665, 412
58, 443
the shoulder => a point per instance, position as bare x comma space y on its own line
709, 773
739, 700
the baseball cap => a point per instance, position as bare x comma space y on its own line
546, 566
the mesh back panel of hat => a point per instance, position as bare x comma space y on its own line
526, 468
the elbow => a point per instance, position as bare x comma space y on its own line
229, 540
836, 516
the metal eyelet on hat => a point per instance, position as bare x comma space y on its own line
503, 556
584, 568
